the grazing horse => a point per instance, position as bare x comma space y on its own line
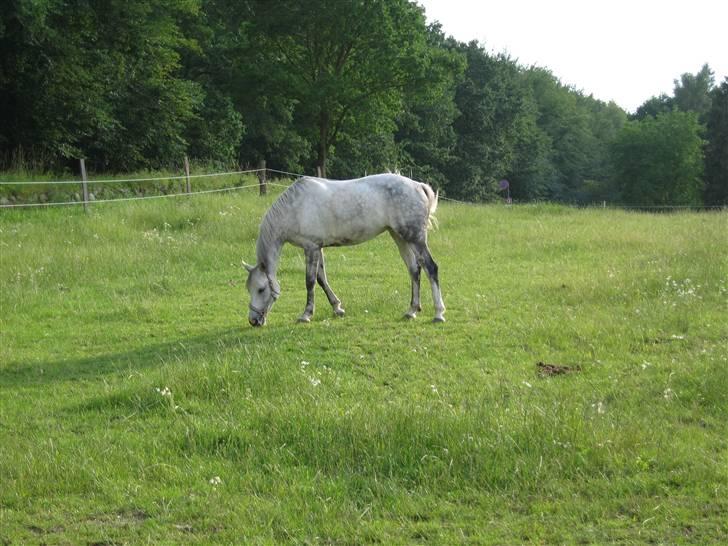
314, 213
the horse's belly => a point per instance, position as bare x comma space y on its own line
346, 237
345, 227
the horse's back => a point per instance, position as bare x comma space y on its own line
345, 212
395, 189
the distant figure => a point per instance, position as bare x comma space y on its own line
505, 185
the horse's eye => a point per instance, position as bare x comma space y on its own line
261, 290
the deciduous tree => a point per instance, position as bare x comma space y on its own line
692, 92
716, 154
344, 63
659, 161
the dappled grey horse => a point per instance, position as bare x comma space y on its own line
314, 213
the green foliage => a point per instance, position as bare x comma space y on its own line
605, 122
659, 161
567, 126
716, 153
654, 106
97, 80
138, 407
346, 85
216, 131
425, 136
692, 92
344, 63
490, 100
696, 94
356, 155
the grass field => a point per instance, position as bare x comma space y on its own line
137, 406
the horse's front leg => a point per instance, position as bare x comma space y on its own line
312, 265
324, 283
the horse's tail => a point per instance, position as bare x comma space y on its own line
431, 205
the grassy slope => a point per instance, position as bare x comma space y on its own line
368, 428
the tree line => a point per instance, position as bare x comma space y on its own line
348, 86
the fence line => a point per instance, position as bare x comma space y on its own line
592, 205
269, 183
140, 198
120, 180
456, 200
284, 172
657, 207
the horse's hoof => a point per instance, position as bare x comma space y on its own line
410, 315
339, 312
438, 319
304, 319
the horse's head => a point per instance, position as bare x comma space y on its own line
264, 291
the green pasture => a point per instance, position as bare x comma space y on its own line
138, 407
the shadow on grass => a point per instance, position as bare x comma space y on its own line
38, 373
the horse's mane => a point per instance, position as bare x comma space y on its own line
268, 227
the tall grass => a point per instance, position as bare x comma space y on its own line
16, 190
136, 405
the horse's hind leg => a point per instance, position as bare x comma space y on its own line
410, 260
324, 283
312, 265
424, 258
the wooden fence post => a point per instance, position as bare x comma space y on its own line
187, 175
84, 184
262, 186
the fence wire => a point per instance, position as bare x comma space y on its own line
124, 180
142, 197
593, 205
269, 183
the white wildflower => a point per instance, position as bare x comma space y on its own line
164, 392
215, 481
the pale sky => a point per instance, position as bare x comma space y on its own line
621, 51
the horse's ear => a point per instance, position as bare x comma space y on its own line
248, 267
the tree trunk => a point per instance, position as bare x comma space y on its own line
323, 144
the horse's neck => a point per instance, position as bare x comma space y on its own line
268, 248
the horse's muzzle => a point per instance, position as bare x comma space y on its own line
256, 320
